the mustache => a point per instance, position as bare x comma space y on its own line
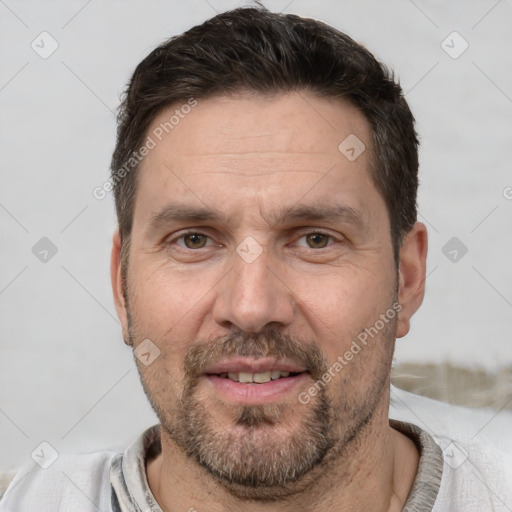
268, 344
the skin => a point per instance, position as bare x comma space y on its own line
248, 157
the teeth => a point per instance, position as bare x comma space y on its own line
245, 377
259, 378
262, 377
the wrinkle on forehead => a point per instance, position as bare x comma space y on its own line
252, 164
287, 122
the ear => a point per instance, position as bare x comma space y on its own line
117, 284
411, 276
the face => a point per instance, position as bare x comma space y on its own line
261, 266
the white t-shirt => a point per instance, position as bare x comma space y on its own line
465, 466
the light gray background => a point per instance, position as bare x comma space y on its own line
65, 375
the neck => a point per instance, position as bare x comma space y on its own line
374, 474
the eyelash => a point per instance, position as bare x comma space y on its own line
187, 233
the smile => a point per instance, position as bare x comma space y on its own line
251, 381
258, 378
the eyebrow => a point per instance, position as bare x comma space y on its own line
176, 212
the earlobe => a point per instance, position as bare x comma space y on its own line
117, 284
411, 276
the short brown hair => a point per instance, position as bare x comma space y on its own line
257, 50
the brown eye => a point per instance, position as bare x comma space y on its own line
317, 240
195, 241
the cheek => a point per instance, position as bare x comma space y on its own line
166, 300
341, 305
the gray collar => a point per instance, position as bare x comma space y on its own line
131, 492
430, 469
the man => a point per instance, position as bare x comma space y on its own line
267, 258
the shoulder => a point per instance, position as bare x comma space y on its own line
476, 446
71, 482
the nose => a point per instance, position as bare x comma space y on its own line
253, 297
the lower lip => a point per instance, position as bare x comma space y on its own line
254, 394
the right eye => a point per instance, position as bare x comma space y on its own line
192, 240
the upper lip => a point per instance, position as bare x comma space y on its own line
253, 365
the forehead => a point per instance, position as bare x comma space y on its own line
254, 148
292, 122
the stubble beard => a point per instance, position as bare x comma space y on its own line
258, 457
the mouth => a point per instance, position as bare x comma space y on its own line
256, 378
250, 381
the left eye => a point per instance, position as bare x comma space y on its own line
193, 240
317, 240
